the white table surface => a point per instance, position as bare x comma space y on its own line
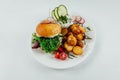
18, 19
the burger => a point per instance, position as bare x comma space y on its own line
48, 35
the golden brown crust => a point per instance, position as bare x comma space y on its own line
48, 29
71, 40
77, 50
68, 47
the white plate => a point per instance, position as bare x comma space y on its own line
49, 60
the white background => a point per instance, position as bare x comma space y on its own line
18, 19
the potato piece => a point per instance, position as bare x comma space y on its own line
75, 28
77, 50
79, 36
72, 40
68, 47
82, 29
64, 31
80, 43
69, 33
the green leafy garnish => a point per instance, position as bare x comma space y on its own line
47, 44
87, 37
85, 42
63, 19
88, 28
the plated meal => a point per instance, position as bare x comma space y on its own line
60, 35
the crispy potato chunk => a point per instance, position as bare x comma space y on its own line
68, 47
82, 29
77, 50
72, 40
64, 31
75, 28
69, 33
79, 36
80, 43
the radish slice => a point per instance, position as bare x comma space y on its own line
78, 18
82, 21
74, 18
35, 45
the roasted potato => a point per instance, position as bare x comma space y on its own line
68, 47
75, 28
77, 50
79, 36
80, 43
69, 33
64, 31
82, 29
72, 40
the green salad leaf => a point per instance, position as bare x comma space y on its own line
48, 44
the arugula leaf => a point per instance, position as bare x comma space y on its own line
47, 44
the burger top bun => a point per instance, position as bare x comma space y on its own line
48, 29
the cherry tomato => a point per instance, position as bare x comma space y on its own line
63, 56
57, 55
